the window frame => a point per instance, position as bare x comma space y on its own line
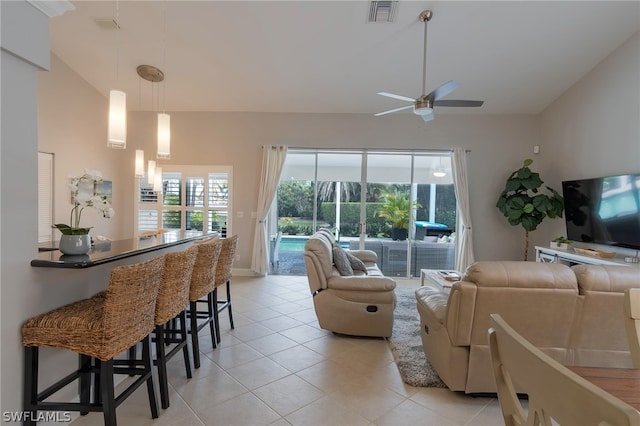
186, 171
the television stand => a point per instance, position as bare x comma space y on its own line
549, 255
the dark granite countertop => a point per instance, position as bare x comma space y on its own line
109, 251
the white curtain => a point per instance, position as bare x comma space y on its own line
464, 239
272, 162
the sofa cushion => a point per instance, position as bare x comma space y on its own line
607, 278
516, 274
356, 264
341, 260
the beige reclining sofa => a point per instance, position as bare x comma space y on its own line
573, 314
361, 304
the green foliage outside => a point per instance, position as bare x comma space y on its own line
295, 199
295, 208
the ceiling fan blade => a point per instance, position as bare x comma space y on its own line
393, 110
457, 103
443, 90
427, 117
400, 98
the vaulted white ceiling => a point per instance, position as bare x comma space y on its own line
324, 57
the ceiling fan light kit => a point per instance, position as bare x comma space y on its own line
424, 104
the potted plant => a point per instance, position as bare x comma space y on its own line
560, 243
75, 238
522, 203
396, 210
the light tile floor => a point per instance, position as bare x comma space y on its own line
279, 368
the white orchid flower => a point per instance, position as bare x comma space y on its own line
93, 175
82, 188
83, 198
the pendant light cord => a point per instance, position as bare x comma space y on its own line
117, 41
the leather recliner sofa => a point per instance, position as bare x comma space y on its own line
360, 304
573, 314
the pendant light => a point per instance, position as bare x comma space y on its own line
157, 180
155, 75
117, 127
151, 172
164, 136
139, 163
164, 119
439, 172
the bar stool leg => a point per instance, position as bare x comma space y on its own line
216, 320
30, 391
162, 366
97, 387
195, 345
108, 393
85, 381
183, 337
229, 303
148, 366
213, 316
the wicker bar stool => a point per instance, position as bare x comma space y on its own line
98, 329
223, 276
201, 292
172, 302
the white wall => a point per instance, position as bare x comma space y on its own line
498, 145
72, 124
20, 58
593, 129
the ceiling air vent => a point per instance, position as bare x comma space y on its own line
382, 11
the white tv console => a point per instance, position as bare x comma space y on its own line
546, 254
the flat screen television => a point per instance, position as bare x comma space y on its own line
603, 210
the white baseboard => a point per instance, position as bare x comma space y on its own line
244, 272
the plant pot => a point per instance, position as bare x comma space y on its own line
399, 234
560, 246
75, 244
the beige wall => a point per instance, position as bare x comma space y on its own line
72, 124
498, 144
593, 129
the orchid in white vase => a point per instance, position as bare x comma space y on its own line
83, 196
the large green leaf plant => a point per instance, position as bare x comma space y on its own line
522, 203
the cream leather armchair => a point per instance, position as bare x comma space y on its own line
360, 304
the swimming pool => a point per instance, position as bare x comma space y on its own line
297, 243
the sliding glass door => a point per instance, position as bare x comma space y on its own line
387, 202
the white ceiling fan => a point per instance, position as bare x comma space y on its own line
423, 105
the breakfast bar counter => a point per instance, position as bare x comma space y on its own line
108, 251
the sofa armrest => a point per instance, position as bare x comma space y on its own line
461, 312
361, 283
365, 255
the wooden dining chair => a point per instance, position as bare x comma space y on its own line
554, 391
632, 322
